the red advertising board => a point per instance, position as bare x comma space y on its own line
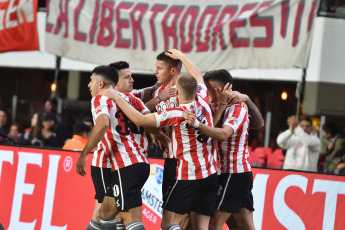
18, 26
40, 189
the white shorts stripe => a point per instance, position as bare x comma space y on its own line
170, 193
226, 187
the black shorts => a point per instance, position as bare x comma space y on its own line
193, 195
235, 192
102, 181
127, 185
169, 175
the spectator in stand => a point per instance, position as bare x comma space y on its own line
50, 106
81, 133
32, 135
4, 127
53, 133
302, 145
16, 132
333, 146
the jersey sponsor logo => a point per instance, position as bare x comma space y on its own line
164, 106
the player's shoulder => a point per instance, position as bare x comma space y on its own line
100, 99
160, 88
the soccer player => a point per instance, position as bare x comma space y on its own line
100, 167
236, 179
125, 84
124, 145
196, 181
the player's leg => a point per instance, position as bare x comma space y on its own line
217, 221
108, 210
129, 182
203, 206
199, 221
224, 202
101, 178
244, 219
231, 223
244, 216
170, 220
186, 222
178, 202
95, 220
119, 222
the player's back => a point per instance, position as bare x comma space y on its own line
194, 151
233, 153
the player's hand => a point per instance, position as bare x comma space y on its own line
81, 165
167, 93
110, 93
238, 97
190, 118
292, 122
224, 96
161, 140
174, 54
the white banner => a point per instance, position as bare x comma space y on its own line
214, 34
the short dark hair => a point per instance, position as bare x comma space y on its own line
109, 74
49, 116
79, 128
188, 84
170, 62
119, 65
52, 100
306, 119
221, 76
330, 128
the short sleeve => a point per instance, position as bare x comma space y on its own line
140, 105
202, 92
168, 117
139, 93
100, 105
235, 115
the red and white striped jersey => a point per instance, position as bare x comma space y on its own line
173, 103
233, 153
123, 144
139, 93
195, 152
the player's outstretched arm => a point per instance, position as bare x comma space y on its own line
188, 64
139, 119
219, 134
98, 131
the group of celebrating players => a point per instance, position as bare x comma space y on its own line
203, 126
